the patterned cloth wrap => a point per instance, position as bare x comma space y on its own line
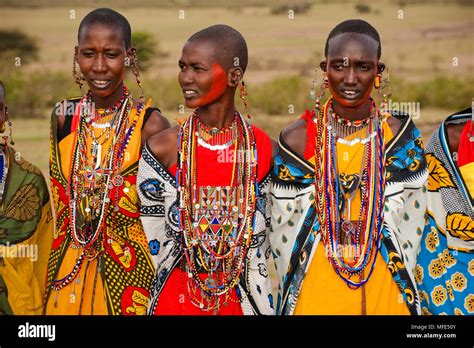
125, 276
295, 235
445, 269
159, 214
26, 233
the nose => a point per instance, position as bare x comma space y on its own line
100, 65
351, 77
186, 77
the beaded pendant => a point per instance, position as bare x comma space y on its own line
216, 223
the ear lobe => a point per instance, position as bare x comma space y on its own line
234, 77
381, 67
323, 65
131, 52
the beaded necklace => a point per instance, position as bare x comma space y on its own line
331, 199
343, 130
92, 178
3, 173
216, 237
217, 139
100, 113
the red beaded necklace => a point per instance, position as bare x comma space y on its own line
219, 249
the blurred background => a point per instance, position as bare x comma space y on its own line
428, 46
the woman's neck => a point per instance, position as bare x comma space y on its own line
110, 100
218, 115
357, 113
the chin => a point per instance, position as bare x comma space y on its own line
191, 105
349, 102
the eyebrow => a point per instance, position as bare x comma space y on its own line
358, 61
199, 62
90, 48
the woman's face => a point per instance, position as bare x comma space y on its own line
202, 79
101, 57
352, 65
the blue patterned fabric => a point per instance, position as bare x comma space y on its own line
445, 264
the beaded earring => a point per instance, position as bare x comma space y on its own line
77, 76
385, 91
3, 130
322, 93
243, 95
136, 72
377, 81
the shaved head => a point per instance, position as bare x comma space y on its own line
109, 18
357, 26
230, 48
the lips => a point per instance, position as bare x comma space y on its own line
100, 83
350, 94
189, 93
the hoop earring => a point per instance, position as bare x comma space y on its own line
243, 95
136, 72
77, 76
322, 93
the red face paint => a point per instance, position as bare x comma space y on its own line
218, 86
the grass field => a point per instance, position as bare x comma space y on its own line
422, 41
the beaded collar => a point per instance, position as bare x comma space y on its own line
215, 242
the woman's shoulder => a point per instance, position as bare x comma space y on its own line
294, 135
154, 123
163, 144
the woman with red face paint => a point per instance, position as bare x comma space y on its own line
202, 188
348, 198
100, 262
26, 226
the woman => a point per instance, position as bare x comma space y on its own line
445, 265
202, 190
100, 262
26, 227
347, 197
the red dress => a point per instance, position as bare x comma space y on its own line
215, 169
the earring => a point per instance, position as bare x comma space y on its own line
377, 81
385, 91
78, 77
10, 130
136, 72
322, 93
243, 95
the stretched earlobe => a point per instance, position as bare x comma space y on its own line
381, 68
234, 77
323, 65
